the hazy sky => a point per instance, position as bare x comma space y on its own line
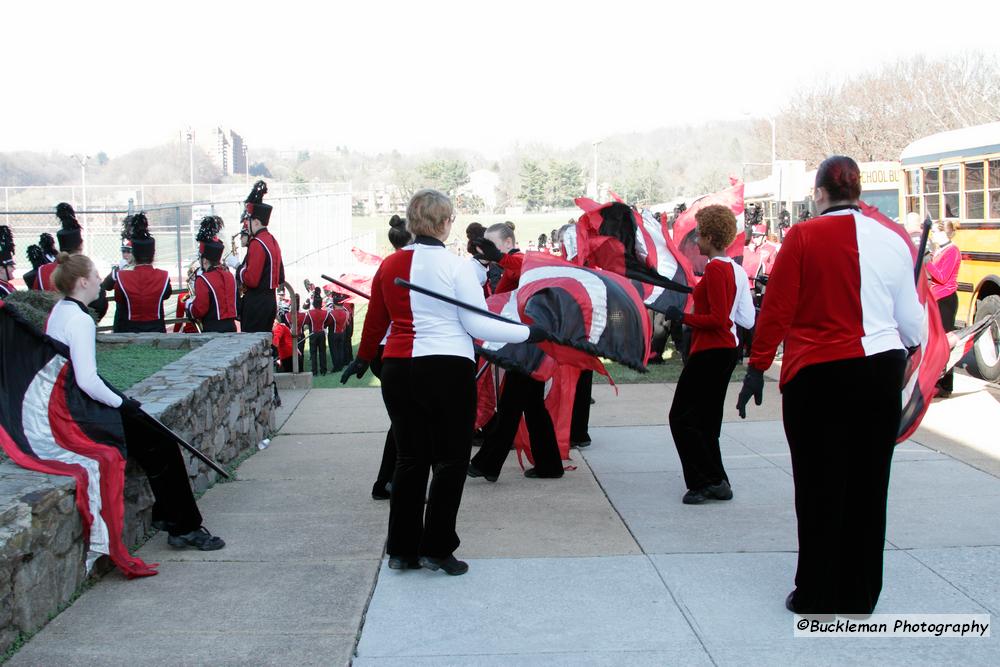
87, 76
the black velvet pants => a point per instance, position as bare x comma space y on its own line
579, 429
696, 415
432, 405
317, 352
258, 312
521, 395
948, 307
841, 420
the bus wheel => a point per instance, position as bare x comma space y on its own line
987, 348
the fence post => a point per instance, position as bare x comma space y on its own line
177, 229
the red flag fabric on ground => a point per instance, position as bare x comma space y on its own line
49, 425
926, 364
685, 226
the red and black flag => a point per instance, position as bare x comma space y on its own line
963, 341
49, 425
615, 237
592, 313
926, 363
685, 231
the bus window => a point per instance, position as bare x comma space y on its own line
975, 200
995, 189
950, 190
913, 191
932, 186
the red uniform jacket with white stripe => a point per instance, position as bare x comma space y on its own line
214, 297
5, 288
141, 292
43, 279
511, 264
424, 326
721, 301
262, 269
318, 319
341, 316
842, 287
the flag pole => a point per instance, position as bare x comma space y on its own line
455, 302
345, 286
160, 426
925, 233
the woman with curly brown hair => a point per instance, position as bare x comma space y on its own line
721, 302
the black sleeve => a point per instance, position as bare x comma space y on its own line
168, 292
100, 305
109, 282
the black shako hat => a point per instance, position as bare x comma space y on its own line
254, 207
70, 236
136, 228
209, 245
6, 246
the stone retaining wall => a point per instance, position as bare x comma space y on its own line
219, 397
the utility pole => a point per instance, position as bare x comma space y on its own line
82, 159
595, 144
190, 139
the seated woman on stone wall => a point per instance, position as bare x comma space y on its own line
174, 509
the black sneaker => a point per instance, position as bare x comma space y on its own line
200, 539
403, 563
476, 472
580, 444
694, 497
532, 473
720, 491
450, 565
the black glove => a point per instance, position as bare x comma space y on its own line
130, 407
753, 385
487, 249
538, 334
674, 313
357, 368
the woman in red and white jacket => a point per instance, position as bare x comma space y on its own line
943, 271
842, 298
428, 382
721, 302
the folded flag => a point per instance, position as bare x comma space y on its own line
49, 425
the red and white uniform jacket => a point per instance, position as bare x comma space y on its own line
141, 292
943, 270
214, 296
340, 316
281, 338
424, 326
721, 302
842, 288
511, 265
43, 279
262, 269
318, 319
5, 288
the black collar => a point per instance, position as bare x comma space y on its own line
80, 304
513, 251
428, 240
841, 207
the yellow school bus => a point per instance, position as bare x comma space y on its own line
956, 175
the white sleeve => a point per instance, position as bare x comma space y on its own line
479, 270
83, 354
908, 312
746, 314
467, 289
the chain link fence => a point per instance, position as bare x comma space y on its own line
313, 229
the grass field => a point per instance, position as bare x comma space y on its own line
123, 366
668, 371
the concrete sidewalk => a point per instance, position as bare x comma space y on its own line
602, 567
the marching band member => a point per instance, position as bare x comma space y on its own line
521, 395
7, 262
943, 271
721, 303
281, 341
36, 256
842, 298
317, 320
174, 509
125, 263
48, 245
70, 241
262, 270
141, 291
340, 318
428, 382
214, 299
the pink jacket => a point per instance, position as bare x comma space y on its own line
943, 270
